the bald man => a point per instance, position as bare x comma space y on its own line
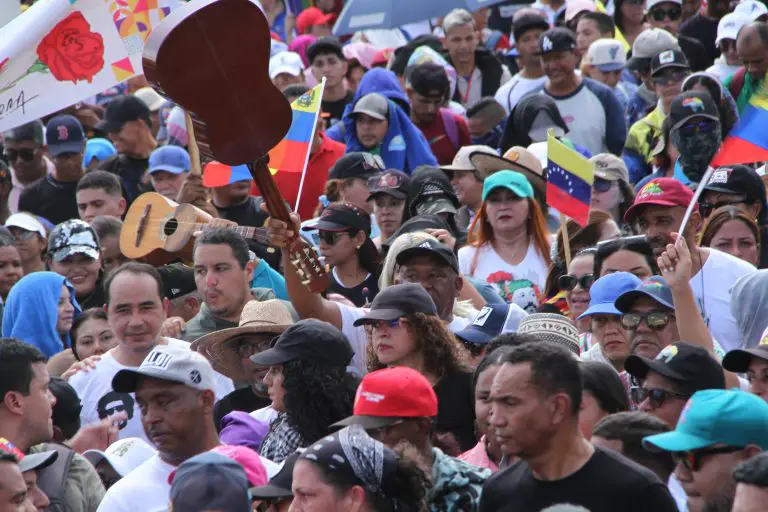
752, 47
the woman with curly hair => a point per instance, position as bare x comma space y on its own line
308, 384
404, 329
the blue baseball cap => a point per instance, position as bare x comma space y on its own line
511, 180
716, 416
492, 320
173, 159
64, 134
98, 148
210, 481
655, 287
605, 291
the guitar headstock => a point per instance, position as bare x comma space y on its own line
312, 272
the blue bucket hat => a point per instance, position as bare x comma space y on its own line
605, 291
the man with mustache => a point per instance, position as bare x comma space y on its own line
658, 213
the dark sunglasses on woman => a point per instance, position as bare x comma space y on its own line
601, 185
568, 282
331, 237
673, 13
655, 396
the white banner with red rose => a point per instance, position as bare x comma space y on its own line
60, 52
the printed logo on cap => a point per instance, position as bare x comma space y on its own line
764, 340
388, 180
667, 354
720, 176
432, 190
195, 377
63, 132
372, 397
613, 51
667, 57
651, 189
546, 44
482, 316
174, 291
124, 448
158, 360
426, 244
694, 104
655, 285
513, 155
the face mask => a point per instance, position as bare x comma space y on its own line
696, 151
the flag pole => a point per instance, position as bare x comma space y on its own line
566, 241
311, 141
694, 201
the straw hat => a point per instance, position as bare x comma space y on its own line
269, 316
517, 158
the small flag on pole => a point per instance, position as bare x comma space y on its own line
569, 181
290, 154
747, 142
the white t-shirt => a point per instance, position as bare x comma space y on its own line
99, 400
511, 92
471, 91
521, 284
712, 288
146, 488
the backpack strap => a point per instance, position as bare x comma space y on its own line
451, 127
737, 83
52, 480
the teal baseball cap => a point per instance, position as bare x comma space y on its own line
716, 416
511, 180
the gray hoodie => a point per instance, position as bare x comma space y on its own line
749, 306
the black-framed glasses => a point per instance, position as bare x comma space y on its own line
655, 320
700, 126
331, 237
691, 460
707, 208
26, 154
655, 396
601, 185
673, 14
248, 345
568, 282
675, 77
371, 325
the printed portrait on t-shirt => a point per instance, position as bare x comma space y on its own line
522, 292
113, 403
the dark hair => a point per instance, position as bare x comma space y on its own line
133, 267
106, 225
662, 160
638, 244
630, 428
490, 111
16, 360
510, 339
104, 180
295, 91
554, 369
8, 457
602, 381
224, 236
728, 114
605, 23
753, 471
317, 396
720, 217
66, 412
88, 314
368, 256
490, 359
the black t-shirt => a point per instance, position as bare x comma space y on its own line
249, 214
694, 51
456, 408
608, 482
131, 172
52, 199
703, 29
336, 108
359, 295
242, 399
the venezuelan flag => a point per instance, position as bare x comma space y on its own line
569, 181
290, 155
748, 140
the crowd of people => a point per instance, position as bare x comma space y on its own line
474, 350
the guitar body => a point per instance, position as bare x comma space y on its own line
159, 231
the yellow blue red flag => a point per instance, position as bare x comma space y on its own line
569, 180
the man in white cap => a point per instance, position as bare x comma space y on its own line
703, 26
604, 62
727, 31
286, 68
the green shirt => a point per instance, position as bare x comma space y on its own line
746, 92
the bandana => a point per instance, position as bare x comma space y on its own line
696, 151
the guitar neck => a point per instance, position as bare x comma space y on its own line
247, 232
269, 191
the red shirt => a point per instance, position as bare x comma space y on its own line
441, 145
314, 181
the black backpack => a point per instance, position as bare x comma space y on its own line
53, 479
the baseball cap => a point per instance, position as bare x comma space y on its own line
681, 362
607, 55
604, 292
151, 98
558, 39
122, 110
751, 9
660, 192
428, 247
462, 161
279, 486
490, 321
286, 62
98, 148
172, 159
311, 17
428, 79
528, 22
391, 182
668, 59
356, 165
386, 396
716, 416
689, 105
73, 236
729, 25
341, 217
737, 180
64, 134
552, 328
610, 167
654, 288
210, 481
124, 455
738, 360
178, 279
431, 192
650, 4
308, 340
513, 181
250, 461
575, 7
397, 301
323, 45
33, 131
26, 221
28, 462
374, 105
648, 44
174, 364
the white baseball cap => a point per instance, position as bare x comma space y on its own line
729, 25
650, 4
285, 62
124, 455
26, 221
151, 97
752, 9
174, 364
607, 55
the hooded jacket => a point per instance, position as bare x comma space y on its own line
31, 312
522, 117
456, 485
491, 69
749, 304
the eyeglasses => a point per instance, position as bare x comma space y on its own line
707, 208
378, 433
692, 460
655, 396
673, 13
568, 282
246, 347
701, 126
22, 235
601, 185
675, 77
26, 154
656, 320
371, 325
331, 237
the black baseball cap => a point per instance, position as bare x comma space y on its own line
429, 79
558, 39
122, 110
431, 192
178, 279
528, 22
737, 180
341, 217
356, 164
279, 486
397, 301
668, 59
681, 362
68, 405
429, 247
391, 182
737, 361
64, 134
32, 131
327, 44
308, 340
689, 105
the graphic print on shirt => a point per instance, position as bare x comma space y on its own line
113, 403
522, 292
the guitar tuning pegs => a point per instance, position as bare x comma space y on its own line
305, 282
301, 273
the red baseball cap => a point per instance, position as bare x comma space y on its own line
311, 17
389, 395
660, 192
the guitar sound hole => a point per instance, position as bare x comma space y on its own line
170, 227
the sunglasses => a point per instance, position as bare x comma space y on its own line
601, 185
655, 396
691, 460
331, 237
22, 235
656, 320
701, 126
26, 154
568, 282
675, 77
371, 325
707, 208
674, 14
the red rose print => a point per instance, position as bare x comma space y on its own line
71, 51
2, 63
499, 277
